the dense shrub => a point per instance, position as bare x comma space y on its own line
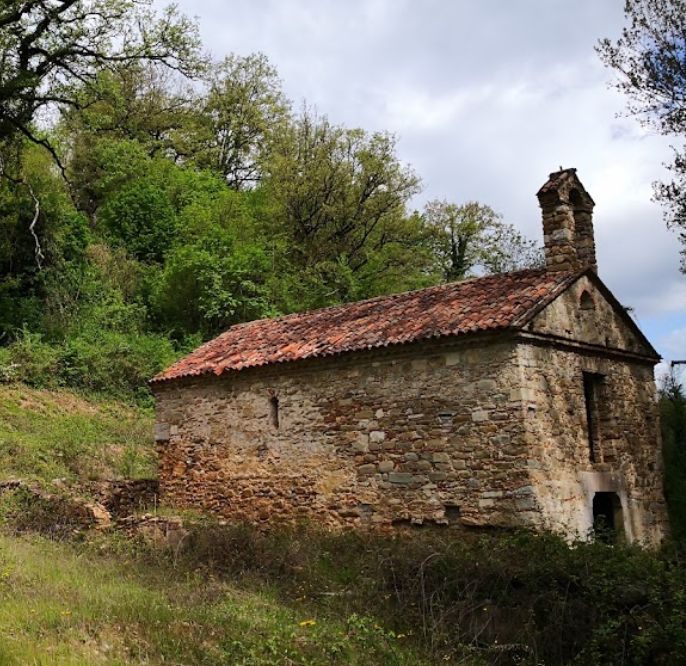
114, 362
474, 598
30, 360
673, 420
106, 361
142, 219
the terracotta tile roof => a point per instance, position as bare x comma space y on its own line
476, 305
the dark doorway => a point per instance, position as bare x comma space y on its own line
608, 521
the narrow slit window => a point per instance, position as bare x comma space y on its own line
274, 411
592, 383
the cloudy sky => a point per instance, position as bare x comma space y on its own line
486, 98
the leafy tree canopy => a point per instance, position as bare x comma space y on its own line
473, 237
183, 207
243, 110
50, 48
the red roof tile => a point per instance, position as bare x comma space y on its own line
475, 305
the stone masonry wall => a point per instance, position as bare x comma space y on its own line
593, 322
417, 435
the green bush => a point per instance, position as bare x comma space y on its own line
673, 420
142, 219
31, 360
113, 362
9, 371
105, 362
506, 598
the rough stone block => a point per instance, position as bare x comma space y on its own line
162, 432
400, 477
361, 443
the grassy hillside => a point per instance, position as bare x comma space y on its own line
110, 601
60, 434
63, 604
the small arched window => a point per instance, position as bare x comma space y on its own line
586, 301
575, 197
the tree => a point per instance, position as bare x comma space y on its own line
650, 60
338, 202
673, 422
210, 285
142, 102
243, 109
51, 48
34, 241
473, 235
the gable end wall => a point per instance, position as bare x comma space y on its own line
627, 452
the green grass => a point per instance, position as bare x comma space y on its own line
47, 435
69, 604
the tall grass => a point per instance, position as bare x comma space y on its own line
461, 597
233, 595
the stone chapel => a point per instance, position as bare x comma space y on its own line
521, 399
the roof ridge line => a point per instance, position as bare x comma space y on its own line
384, 297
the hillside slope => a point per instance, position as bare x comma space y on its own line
47, 435
65, 604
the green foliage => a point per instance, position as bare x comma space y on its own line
115, 362
31, 360
338, 210
186, 210
138, 101
673, 420
462, 597
243, 111
51, 47
27, 259
96, 360
141, 218
473, 236
208, 286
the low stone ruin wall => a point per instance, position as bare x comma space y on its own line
123, 497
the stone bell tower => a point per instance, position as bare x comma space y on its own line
567, 223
